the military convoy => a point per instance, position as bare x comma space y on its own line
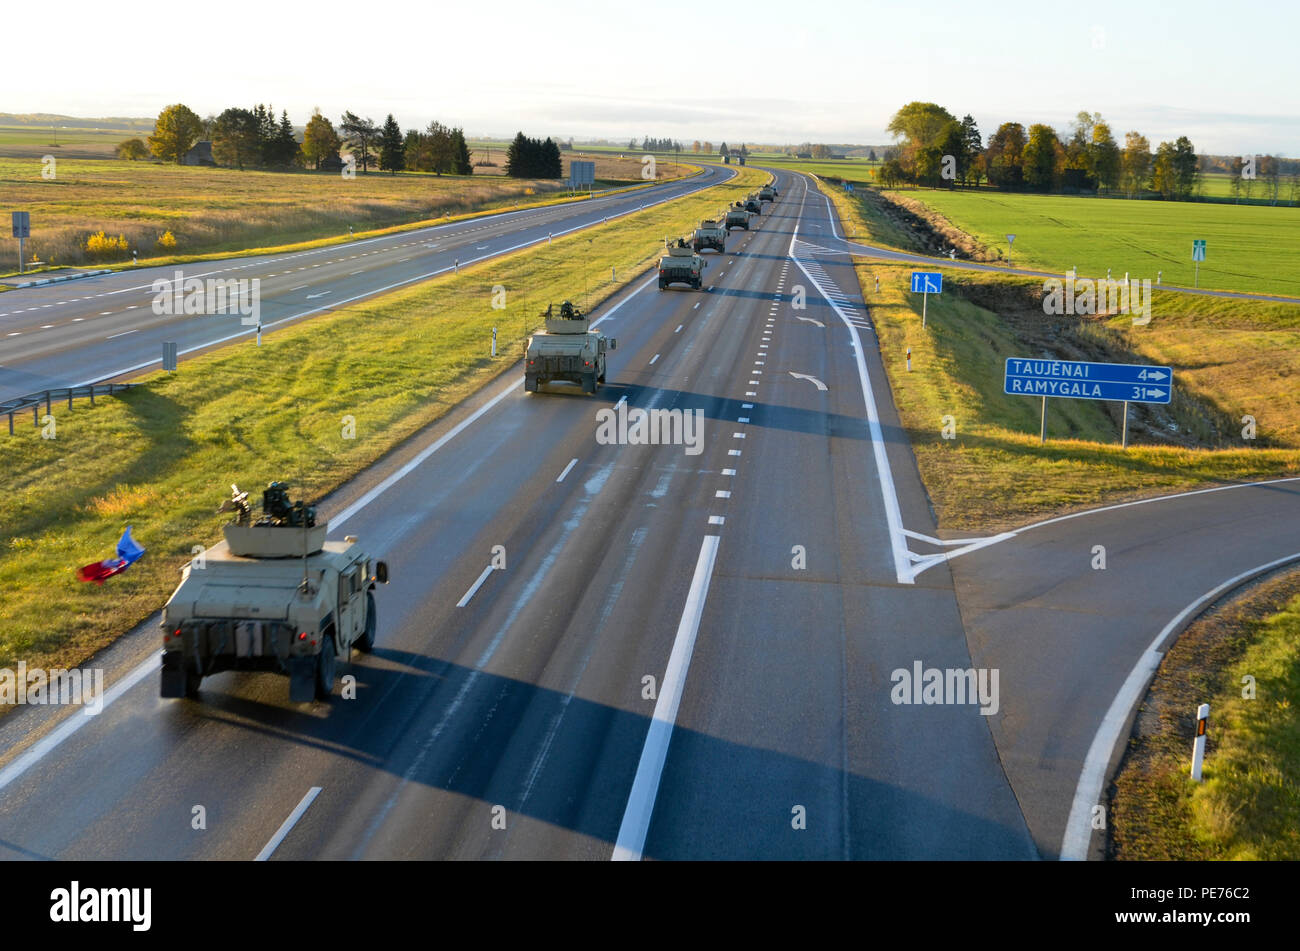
737, 216
567, 351
767, 193
273, 596
754, 203
681, 265
710, 234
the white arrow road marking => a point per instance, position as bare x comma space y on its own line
811, 379
321, 294
811, 321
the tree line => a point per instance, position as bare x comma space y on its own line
254, 138
939, 150
533, 158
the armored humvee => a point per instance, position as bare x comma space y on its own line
752, 203
710, 234
767, 193
681, 265
274, 595
737, 216
568, 351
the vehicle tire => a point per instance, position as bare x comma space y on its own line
326, 661
366, 642
601, 378
192, 680
589, 382
530, 383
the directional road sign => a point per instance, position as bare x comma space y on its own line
927, 282
1198, 249
1079, 379
22, 224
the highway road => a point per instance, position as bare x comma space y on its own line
687, 656
98, 327
632, 562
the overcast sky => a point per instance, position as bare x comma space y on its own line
1227, 76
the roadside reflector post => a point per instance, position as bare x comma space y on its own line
458, 265
613, 274
909, 359
877, 285
1042, 424
494, 342
259, 333
1123, 442
1159, 274
548, 237
1198, 749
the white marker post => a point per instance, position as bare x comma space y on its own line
1198, 749
494, 343
909, 359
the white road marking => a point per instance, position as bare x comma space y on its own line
473, 590
729, 472
288, 824
716, 520
810, 378
722, 494
746, 405
649, 771
743, 419
733, 452
571, 464
697, 304
300, 287
122, 334
653, 359
16, 333
1078, 828
679, 328
737, 435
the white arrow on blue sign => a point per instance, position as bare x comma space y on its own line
1079, 379
927, 282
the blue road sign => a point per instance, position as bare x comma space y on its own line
1078, 379
927, 282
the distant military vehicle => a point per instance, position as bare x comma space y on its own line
767, 193
567, 351
737, 216
752, 203
274, 595
710, 234
681, 265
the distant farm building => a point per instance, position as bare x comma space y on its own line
201, 154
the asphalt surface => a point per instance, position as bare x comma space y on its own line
533, 696
686, 655
100, 327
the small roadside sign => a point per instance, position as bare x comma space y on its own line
1198, 250
1011, 239
927, 282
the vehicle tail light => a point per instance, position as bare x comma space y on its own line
302, 636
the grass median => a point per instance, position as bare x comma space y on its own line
1231, 359
161, 457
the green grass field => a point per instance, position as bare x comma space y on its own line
162, 456
1231, 358
1249, 247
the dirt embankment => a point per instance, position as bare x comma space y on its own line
1186, 421
931, 231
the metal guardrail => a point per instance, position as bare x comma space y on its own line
57, 394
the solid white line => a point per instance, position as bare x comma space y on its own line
1078, 828
893, 516
288, 824
645, 787
571, 464
473, 589
122, 334
73, 723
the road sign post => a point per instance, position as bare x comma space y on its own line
22, 231
926, 283
1080, 379
1011, 239
1198, 255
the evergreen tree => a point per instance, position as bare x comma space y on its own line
392, 155
463, 165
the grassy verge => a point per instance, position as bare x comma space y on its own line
221, 210
164, 260
994, 474
161, 457
1248, 806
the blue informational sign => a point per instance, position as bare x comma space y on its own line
927, 282
1081, 380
